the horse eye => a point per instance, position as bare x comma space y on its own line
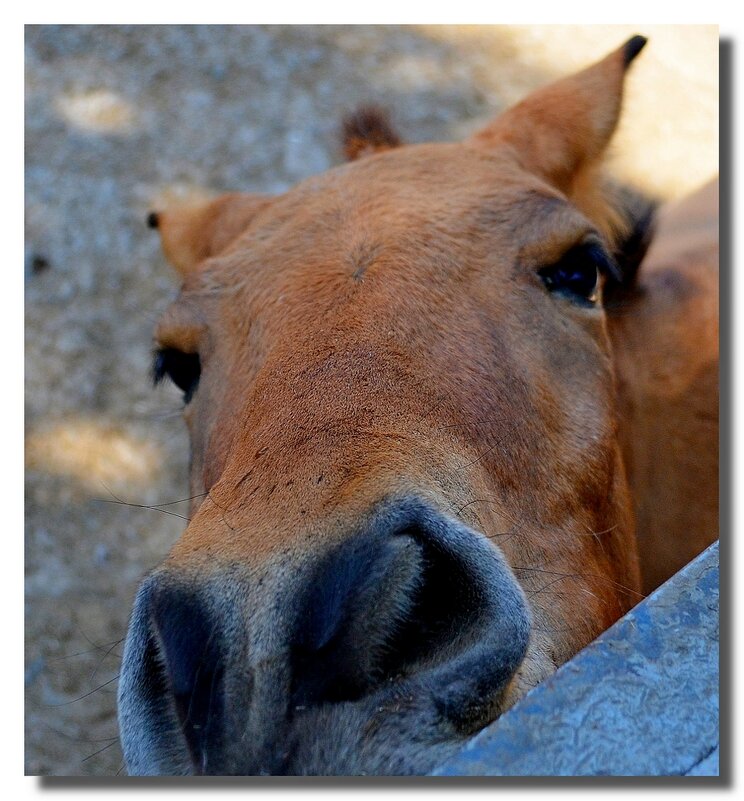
183, 369
577, 273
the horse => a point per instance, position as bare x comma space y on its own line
440, 398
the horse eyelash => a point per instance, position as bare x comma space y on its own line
606, 264
157, 367
183, 369
595, 251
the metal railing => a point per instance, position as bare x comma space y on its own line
641, 700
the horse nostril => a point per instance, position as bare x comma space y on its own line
358, 597
419, 599
186, 683
443, 609
189, 648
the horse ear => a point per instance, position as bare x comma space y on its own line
192, 233
563, 127
368, 130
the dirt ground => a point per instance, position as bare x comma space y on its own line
119, 119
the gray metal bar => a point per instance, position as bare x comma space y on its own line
641, 700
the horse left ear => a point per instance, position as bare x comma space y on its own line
563, 127
192, 233
368, 130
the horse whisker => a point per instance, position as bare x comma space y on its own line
80, 698
83, 653
119, 501
103, 659
100, 751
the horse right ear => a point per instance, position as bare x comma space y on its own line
191, 233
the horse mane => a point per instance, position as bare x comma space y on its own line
634, 223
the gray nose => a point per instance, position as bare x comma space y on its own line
191, 651
413, 601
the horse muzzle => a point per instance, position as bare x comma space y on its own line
326, 662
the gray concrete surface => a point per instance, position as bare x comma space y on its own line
122, 118
641, 700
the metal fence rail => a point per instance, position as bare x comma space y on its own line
641, 700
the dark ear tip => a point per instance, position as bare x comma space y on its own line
153, 220
633, 47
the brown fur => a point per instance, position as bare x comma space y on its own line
382, 329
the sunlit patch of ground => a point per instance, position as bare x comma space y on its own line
98, 111
179, 194
96, 455
420, 72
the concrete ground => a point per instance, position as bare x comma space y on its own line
119, 119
